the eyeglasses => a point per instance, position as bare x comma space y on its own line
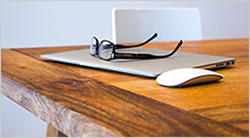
106, 50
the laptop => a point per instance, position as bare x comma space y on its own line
142, 67
134, 25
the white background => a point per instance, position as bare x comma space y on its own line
64, 23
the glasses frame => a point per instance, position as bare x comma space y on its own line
116, 55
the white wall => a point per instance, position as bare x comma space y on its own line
52, 23
62, 23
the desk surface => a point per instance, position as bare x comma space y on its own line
81, 101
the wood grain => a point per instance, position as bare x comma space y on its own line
52, 132
60, 118
130, 105
123, 112
237, 114
233, 89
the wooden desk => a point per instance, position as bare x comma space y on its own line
81, 101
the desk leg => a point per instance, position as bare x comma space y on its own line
52, 132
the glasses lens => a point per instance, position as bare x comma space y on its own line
92, 49
105, 50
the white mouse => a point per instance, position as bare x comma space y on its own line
187, 76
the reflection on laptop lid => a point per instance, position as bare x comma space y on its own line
143, 67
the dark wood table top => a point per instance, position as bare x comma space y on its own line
82, 101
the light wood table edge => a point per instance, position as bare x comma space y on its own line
45, 109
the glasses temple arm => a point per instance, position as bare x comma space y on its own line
145, 56
174, 51
124, 46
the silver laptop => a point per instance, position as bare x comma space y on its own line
143, 67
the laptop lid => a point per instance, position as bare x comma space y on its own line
133, 25
148, 67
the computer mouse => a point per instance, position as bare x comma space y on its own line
187, 76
